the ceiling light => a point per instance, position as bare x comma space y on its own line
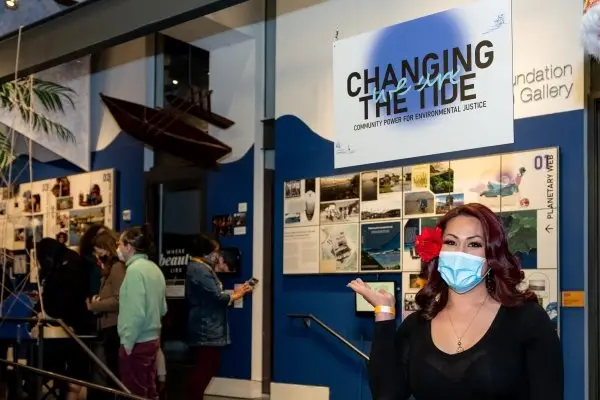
11, 4
175, 82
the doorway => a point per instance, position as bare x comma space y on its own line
175, 209
179, 219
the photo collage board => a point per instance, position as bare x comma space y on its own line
367, 222
61, 208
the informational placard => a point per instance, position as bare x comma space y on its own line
301, 250
411, 284
361, 303
573, 299
62, 208
396, 97
368, 221
544, 283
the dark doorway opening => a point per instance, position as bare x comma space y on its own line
185, 68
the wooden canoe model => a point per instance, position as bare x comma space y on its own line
168, 129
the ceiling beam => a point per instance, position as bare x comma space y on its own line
93, 27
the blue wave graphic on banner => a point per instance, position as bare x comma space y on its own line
416, 38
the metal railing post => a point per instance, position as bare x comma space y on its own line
94, 357
38, 393
72, 335
53, 376
306, 318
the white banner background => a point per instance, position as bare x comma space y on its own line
481, 114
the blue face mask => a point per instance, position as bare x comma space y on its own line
461, 271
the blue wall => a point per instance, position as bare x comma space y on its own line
233, 183
310, 356
125, 155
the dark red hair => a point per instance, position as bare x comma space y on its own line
505, 270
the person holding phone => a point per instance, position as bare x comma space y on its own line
208, 302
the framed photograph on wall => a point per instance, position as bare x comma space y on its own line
231, 260
361, 305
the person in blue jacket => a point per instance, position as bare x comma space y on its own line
142, 304
208, 328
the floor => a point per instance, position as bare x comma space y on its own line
177, 383
226, 398
217, 398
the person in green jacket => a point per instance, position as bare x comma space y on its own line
142, 304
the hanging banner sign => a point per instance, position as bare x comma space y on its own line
431, 85
65, 133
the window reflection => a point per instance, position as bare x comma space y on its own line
186, 69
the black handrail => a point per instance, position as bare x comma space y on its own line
74, 381
73, 336
308, 317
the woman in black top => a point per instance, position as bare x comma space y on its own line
477, 335
65, 283
64, 280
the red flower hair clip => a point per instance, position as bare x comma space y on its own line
429, 244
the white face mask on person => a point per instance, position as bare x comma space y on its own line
120, 255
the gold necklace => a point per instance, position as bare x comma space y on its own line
459, 347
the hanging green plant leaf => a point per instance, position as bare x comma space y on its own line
7, 155
51, 96
47, 97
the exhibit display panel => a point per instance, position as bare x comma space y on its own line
366, 222
67, 204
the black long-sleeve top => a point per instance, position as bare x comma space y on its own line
66, 285
519, 358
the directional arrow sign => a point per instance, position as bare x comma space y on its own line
549, 228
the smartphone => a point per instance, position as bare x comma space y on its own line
253, 282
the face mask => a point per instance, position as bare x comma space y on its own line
461, 271
120, 255
214, 259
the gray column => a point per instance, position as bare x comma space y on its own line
269, 191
